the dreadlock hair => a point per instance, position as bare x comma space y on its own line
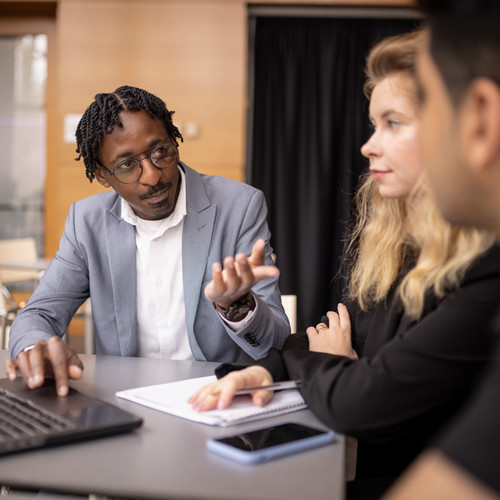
102, 115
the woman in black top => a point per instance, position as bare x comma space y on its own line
421, 295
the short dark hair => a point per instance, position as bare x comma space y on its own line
102, 115
464, 41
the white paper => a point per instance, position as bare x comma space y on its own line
172, 398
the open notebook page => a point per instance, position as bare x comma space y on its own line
172, 398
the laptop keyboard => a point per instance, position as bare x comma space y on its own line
19, 418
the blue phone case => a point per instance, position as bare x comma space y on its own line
249, 457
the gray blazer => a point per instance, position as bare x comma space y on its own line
97, 259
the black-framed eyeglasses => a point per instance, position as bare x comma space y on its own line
164, 155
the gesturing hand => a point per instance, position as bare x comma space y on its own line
333, 339
239, 275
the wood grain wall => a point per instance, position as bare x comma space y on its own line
191, 53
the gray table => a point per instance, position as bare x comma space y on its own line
166, 458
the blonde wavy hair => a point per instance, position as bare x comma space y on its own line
388, 233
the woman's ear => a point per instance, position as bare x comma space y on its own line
99, 175
480, 124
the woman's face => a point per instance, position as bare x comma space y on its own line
393, 148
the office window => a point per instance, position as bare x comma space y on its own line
23, 60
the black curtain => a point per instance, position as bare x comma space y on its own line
308, 122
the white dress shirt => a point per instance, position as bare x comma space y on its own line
161, 313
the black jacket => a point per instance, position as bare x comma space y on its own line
411, 376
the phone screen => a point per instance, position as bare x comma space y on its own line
270, 436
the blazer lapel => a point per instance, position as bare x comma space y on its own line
196, 238
121, 254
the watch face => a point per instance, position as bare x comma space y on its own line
239, 309
238, 313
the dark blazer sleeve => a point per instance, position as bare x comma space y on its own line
418, 373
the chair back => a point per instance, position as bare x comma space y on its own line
18, 250
3, 300
8, 311
289, 303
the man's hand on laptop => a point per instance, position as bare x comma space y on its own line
47, 358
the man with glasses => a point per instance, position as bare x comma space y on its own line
177, 264
459, 70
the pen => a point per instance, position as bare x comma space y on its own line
277, 386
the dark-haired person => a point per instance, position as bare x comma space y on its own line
459, 69
149, 252
421, 295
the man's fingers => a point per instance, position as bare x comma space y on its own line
11, 369
47, 358
257, 257
243, 269
58, 356
24, 367
37, 367
76, 361
75, 367
227, 285
230, 276
263, 272
239, 275
216, 285
65, 364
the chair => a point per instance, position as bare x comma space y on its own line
289, 303
8, 311
24, 252
18, 250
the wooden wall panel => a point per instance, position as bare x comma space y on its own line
191, 54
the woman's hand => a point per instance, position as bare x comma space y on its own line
335, 339
220, 393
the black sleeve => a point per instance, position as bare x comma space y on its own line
432, 365
273, 362
473, 440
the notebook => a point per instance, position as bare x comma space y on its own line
172, 398
39, 418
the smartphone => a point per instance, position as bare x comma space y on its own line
268, 443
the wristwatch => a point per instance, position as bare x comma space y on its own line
239, 309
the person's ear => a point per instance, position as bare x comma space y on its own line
99, 175
480, 124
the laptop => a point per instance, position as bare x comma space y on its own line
38, 418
